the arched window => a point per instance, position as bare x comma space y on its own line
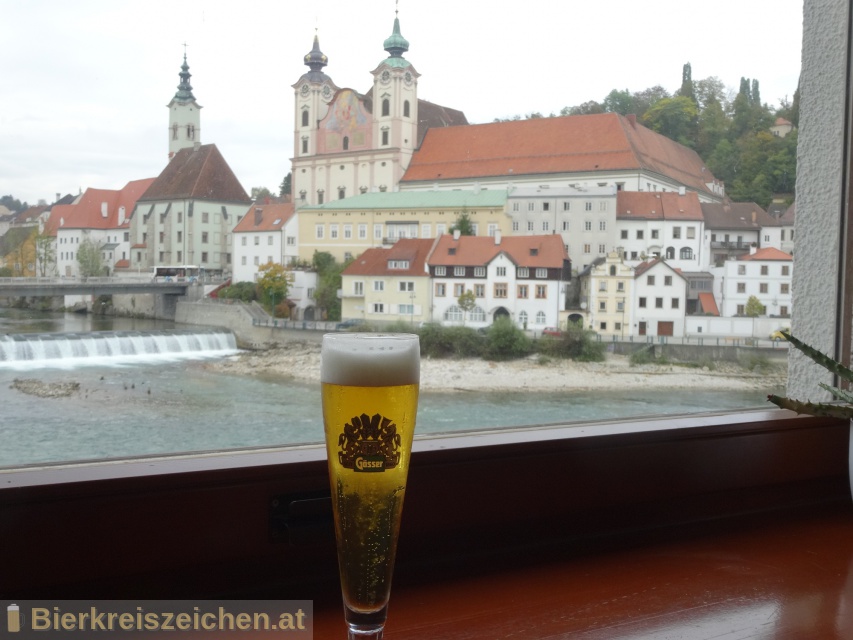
305, 118
522, 318
346, 143
453, 314
386, 107
477, 315
670, 253
406, 110
686, 253
540, 317
612, 269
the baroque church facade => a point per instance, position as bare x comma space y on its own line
347, 143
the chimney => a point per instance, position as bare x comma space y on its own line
259, 216
632, 120
58, 196
752, 249
456, 234
497, 238
121, 215
682, 190
196, 146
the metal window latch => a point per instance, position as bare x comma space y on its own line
302, 519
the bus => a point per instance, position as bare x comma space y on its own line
179, 273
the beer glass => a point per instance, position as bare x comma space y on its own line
370, 395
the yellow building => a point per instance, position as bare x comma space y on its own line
346, 228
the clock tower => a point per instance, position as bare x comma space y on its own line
184, 115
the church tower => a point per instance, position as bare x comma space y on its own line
313, 92
395, 99
184, 115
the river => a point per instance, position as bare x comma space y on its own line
169, 403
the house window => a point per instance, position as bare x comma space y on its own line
522, 291
320, 194
479, 291
650, 280
639, 234
377, 232
379, 285
620, 286
784, 288
458, 289
641, 303
623, 234
530, 225
204, 256
541, 291
441, 271
602, 205
500, 272
362, 231
620, 306
243, 260
500, 290
304, 149
406, 285
358, 288
565, 225
602, 248
765, 270
567, 206
257, 260
602, 285
741, 310
762, 287
333, 231
243, 240
602, 305
741, 269
588, 206
204, 237
602, 326
319, 231
686, 253
406, 309
342, 193
602, 225
658, 303
675, 303
204, 217
269, 240
515, 225
453, 314
385, 137
741, 287
546, 225
540, 317
546, 206
786, 270
459, 272
291, 241
655, 234
523, 272
691, 233
587, 225
378, 307
348, 231
522, 319
531, 206
587, 248
480, 272
676, 232
440, 290
257, 239
515, 206
667, 281
783, 310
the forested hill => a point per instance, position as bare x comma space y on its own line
730, 132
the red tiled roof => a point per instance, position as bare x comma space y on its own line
122, 264
708, 304
88, 212
568, 144
767, 253
374, 262
736, 215
265, 217
476, 251
668, 205
201, 174
28, 215
645, 266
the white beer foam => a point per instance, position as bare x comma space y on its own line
370, 359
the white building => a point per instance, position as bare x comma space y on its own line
259, 238
765, 274
519, 277
660, 294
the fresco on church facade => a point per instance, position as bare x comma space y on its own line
347, 126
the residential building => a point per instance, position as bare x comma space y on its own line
585, 218
99, 216
609, 290
388, 284
765, 274
781, 127
259, 238
666, 225
346, 228
519, 277
732, 229
661, 292
346, 143
187, 214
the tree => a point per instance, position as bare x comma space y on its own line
687, 90
467, 301
621, 102
273, 285
463, 224
45, 255
89, 259
754, 308
260, 194
586, 108
13, 204
286, 185
328, 284
675, 118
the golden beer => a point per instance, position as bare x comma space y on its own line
369, 394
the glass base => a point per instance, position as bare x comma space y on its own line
365, 626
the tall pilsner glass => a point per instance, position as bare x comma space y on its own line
370, 396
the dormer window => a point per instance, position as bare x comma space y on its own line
398, 264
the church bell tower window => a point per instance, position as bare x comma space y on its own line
346, 143
305, 118
406, 109
386, 107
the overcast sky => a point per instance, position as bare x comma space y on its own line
85, 83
